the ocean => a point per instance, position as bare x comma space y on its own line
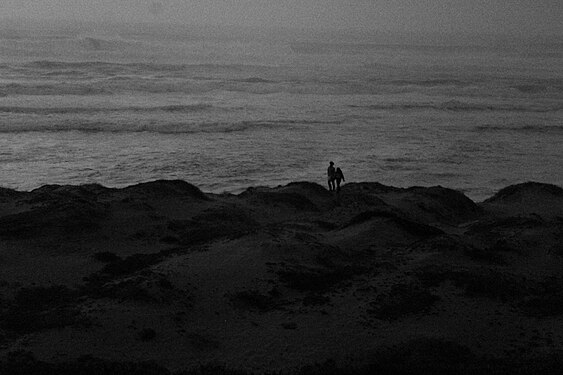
225, 112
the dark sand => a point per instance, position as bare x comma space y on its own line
280, 278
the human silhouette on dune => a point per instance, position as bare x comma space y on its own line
338, 176
331, 173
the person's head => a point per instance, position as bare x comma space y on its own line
331, 163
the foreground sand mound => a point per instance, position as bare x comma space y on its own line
373, 279
86, 191
9, 193
300, 196
526, 191
426, 204
54, 211
446, 203
544, 200
166, 189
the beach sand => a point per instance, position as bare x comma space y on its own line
275, 279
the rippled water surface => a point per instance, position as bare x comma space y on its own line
226, 114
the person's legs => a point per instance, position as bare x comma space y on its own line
337, 184
329, 185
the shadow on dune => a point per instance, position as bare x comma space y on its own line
423, 356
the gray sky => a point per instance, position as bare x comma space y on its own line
486, 16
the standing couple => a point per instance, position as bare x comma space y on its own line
334, 177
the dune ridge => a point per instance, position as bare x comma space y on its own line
280, 278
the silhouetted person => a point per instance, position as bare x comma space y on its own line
338, 176
331, 173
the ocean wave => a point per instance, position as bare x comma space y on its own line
114, 85
400, 160
151, 127
254, 80
428, 82
135, 84
54, 89
100, 44
363, 48
457, 106
137, 66
93, 110
124, 84
520, 129
555, 85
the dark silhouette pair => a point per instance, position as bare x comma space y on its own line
335, 176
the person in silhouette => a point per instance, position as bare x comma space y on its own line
331, 173
338, 176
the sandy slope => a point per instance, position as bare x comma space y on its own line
278, 278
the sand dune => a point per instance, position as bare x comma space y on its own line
275, 279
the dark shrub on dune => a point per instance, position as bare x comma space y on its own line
166, 188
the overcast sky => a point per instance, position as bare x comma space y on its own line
487, 16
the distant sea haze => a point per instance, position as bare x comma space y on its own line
226, 114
